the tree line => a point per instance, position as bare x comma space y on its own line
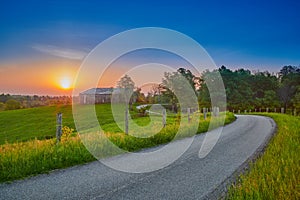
244, 90
13, 102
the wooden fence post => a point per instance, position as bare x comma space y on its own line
58, 127
282, 110
164, 118
204, 113
126, 120
189, 113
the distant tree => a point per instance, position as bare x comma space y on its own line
126, 86
289, 82
264, 87
140, 97
238, 88
12, 104
168, 88
296, 99
2, 106
178, 85
286, 70
4, 97
270, 99
193, 80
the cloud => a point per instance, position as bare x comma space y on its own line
61, 52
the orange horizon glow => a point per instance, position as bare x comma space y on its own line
54, 77
41, 77
66, 83
57, 77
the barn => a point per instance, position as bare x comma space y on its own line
97, 95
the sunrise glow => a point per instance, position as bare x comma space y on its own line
65, 83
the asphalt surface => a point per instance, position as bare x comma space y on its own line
189, 177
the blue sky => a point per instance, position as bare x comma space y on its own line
252, 34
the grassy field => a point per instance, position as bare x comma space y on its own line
275, 175
23, 159
27, 124
40, 123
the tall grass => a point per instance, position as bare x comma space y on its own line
39, 156
275, 175
33, 157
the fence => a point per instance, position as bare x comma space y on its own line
294, 111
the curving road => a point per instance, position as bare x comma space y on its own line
188, 178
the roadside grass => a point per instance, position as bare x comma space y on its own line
22, 159
276, 174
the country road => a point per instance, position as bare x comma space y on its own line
187, 178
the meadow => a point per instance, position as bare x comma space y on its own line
27, 124
276, 174
40, 123
27, 151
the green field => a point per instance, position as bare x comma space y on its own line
27, 124
275, 175
34, 156
40, 123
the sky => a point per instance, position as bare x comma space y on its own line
43, 43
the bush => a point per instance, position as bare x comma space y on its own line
12, 104
2, 106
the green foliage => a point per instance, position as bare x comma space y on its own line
296, 99
126, 86
289, 84
179, 87
270, 99
258, 90
2, 106
12, 104
27, 101
276, 174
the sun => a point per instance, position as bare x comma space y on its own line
65, 83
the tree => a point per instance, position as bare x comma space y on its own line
270, 99
190, 77
4, 97
140, 97
12, 104
126, 87
296, 99
289, 81
179, 85
2, 106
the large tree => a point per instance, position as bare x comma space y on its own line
126, 87
289, 83
177, 85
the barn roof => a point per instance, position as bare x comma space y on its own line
94, 91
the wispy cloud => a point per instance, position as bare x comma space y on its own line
60, 52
